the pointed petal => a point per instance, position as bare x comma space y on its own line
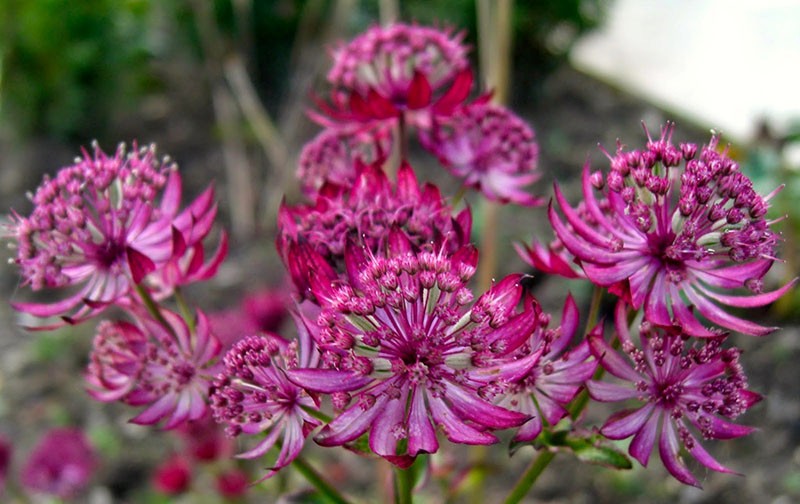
328, 381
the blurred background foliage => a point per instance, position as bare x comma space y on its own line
72, 70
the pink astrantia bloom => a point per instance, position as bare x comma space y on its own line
681, 383
399, 339
558, 375
97, 227
397, 71
167, 368
490, 149
253, 396
330, 157
369, 209
673, 228
61, 464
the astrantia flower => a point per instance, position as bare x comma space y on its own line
253, 396
559, 373
166, 368
681, 383
370, 209
400, 340
96, 226
61, 464
330, 157
490, 149
397, 70
673, 227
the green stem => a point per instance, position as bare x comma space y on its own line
403, 485
318, 481
186, 312
529, 477
152, 307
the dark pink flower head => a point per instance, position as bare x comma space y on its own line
204, 439
402, 352
555, 379
61, 464
395, 70
167, 368
253, 396
683, 384
370, 209
490, 149
173, 476
330, 158
260, 311
6, 449
674, 226
101, 226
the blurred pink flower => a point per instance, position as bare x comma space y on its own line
490, 149
173, 476
398, 71
261, 311
61, 464
168, 368
330, 157
6, 450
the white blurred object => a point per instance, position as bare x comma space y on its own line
721, 63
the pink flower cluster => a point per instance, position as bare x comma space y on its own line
392, 345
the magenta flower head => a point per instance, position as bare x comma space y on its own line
6, 449
674, 224
682, 384
490, 149
402, 350
370, 209
558, 375
61, 464
96, 227
397, 70
331, 157
253, 396
168, 367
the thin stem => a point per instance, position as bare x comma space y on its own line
403, 485
152, 307
529, 477
318, 481
594, 309
183, 306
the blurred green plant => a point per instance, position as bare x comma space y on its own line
67, 66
